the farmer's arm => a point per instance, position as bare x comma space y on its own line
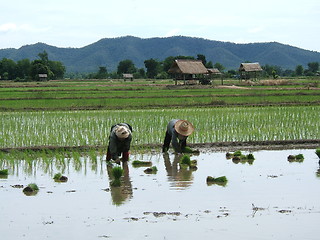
127, 144
175, 143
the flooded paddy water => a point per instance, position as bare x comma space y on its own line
269, 198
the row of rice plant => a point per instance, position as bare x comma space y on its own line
81, 128
147, 101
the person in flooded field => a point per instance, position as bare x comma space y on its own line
177, 131
119, 142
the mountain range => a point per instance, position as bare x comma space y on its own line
108, 52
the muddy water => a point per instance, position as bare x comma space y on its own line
270, 198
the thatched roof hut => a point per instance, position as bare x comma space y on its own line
248, 70
187, 69
127, 76
188, 66
250, 67
214, 71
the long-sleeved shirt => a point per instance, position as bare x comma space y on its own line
116, 145
176, 138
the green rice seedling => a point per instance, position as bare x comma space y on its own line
318, 152
33, 186
296, 158
4, 172
185, 159
115, 183
219, 180
91, 128
237, 153
193, 165
58, 177
152, 170
116, 172
137, 163
299, 156
31, 189
190, 150
250, 156
229, 155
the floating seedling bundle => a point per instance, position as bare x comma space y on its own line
186, 162
151, 170
237, 157
31, 189
296, 158
138, 163
117, 173
58, 177
222, 181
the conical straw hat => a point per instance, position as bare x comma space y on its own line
122, 132
184, 127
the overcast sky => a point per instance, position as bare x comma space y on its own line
77, 23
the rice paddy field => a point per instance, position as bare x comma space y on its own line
62, 128
81, 112
91, 128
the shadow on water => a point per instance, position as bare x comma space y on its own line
179, 178
122, 193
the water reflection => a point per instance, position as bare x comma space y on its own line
124, 192
49, 162
179, 178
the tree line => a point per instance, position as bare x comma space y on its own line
155, 69
26, 70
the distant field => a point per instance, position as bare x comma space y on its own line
142, 94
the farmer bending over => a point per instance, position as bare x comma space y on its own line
177, 132
119, 142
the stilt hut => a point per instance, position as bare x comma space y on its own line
127, 76
249, 70
43, 77
188, 70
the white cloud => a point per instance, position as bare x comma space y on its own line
6, 27
12, 27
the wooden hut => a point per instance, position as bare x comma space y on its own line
127, 76
188, 70
43, 77
249, 70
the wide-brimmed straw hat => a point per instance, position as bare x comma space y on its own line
122, 132
184, 127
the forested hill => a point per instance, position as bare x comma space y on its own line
109, 52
